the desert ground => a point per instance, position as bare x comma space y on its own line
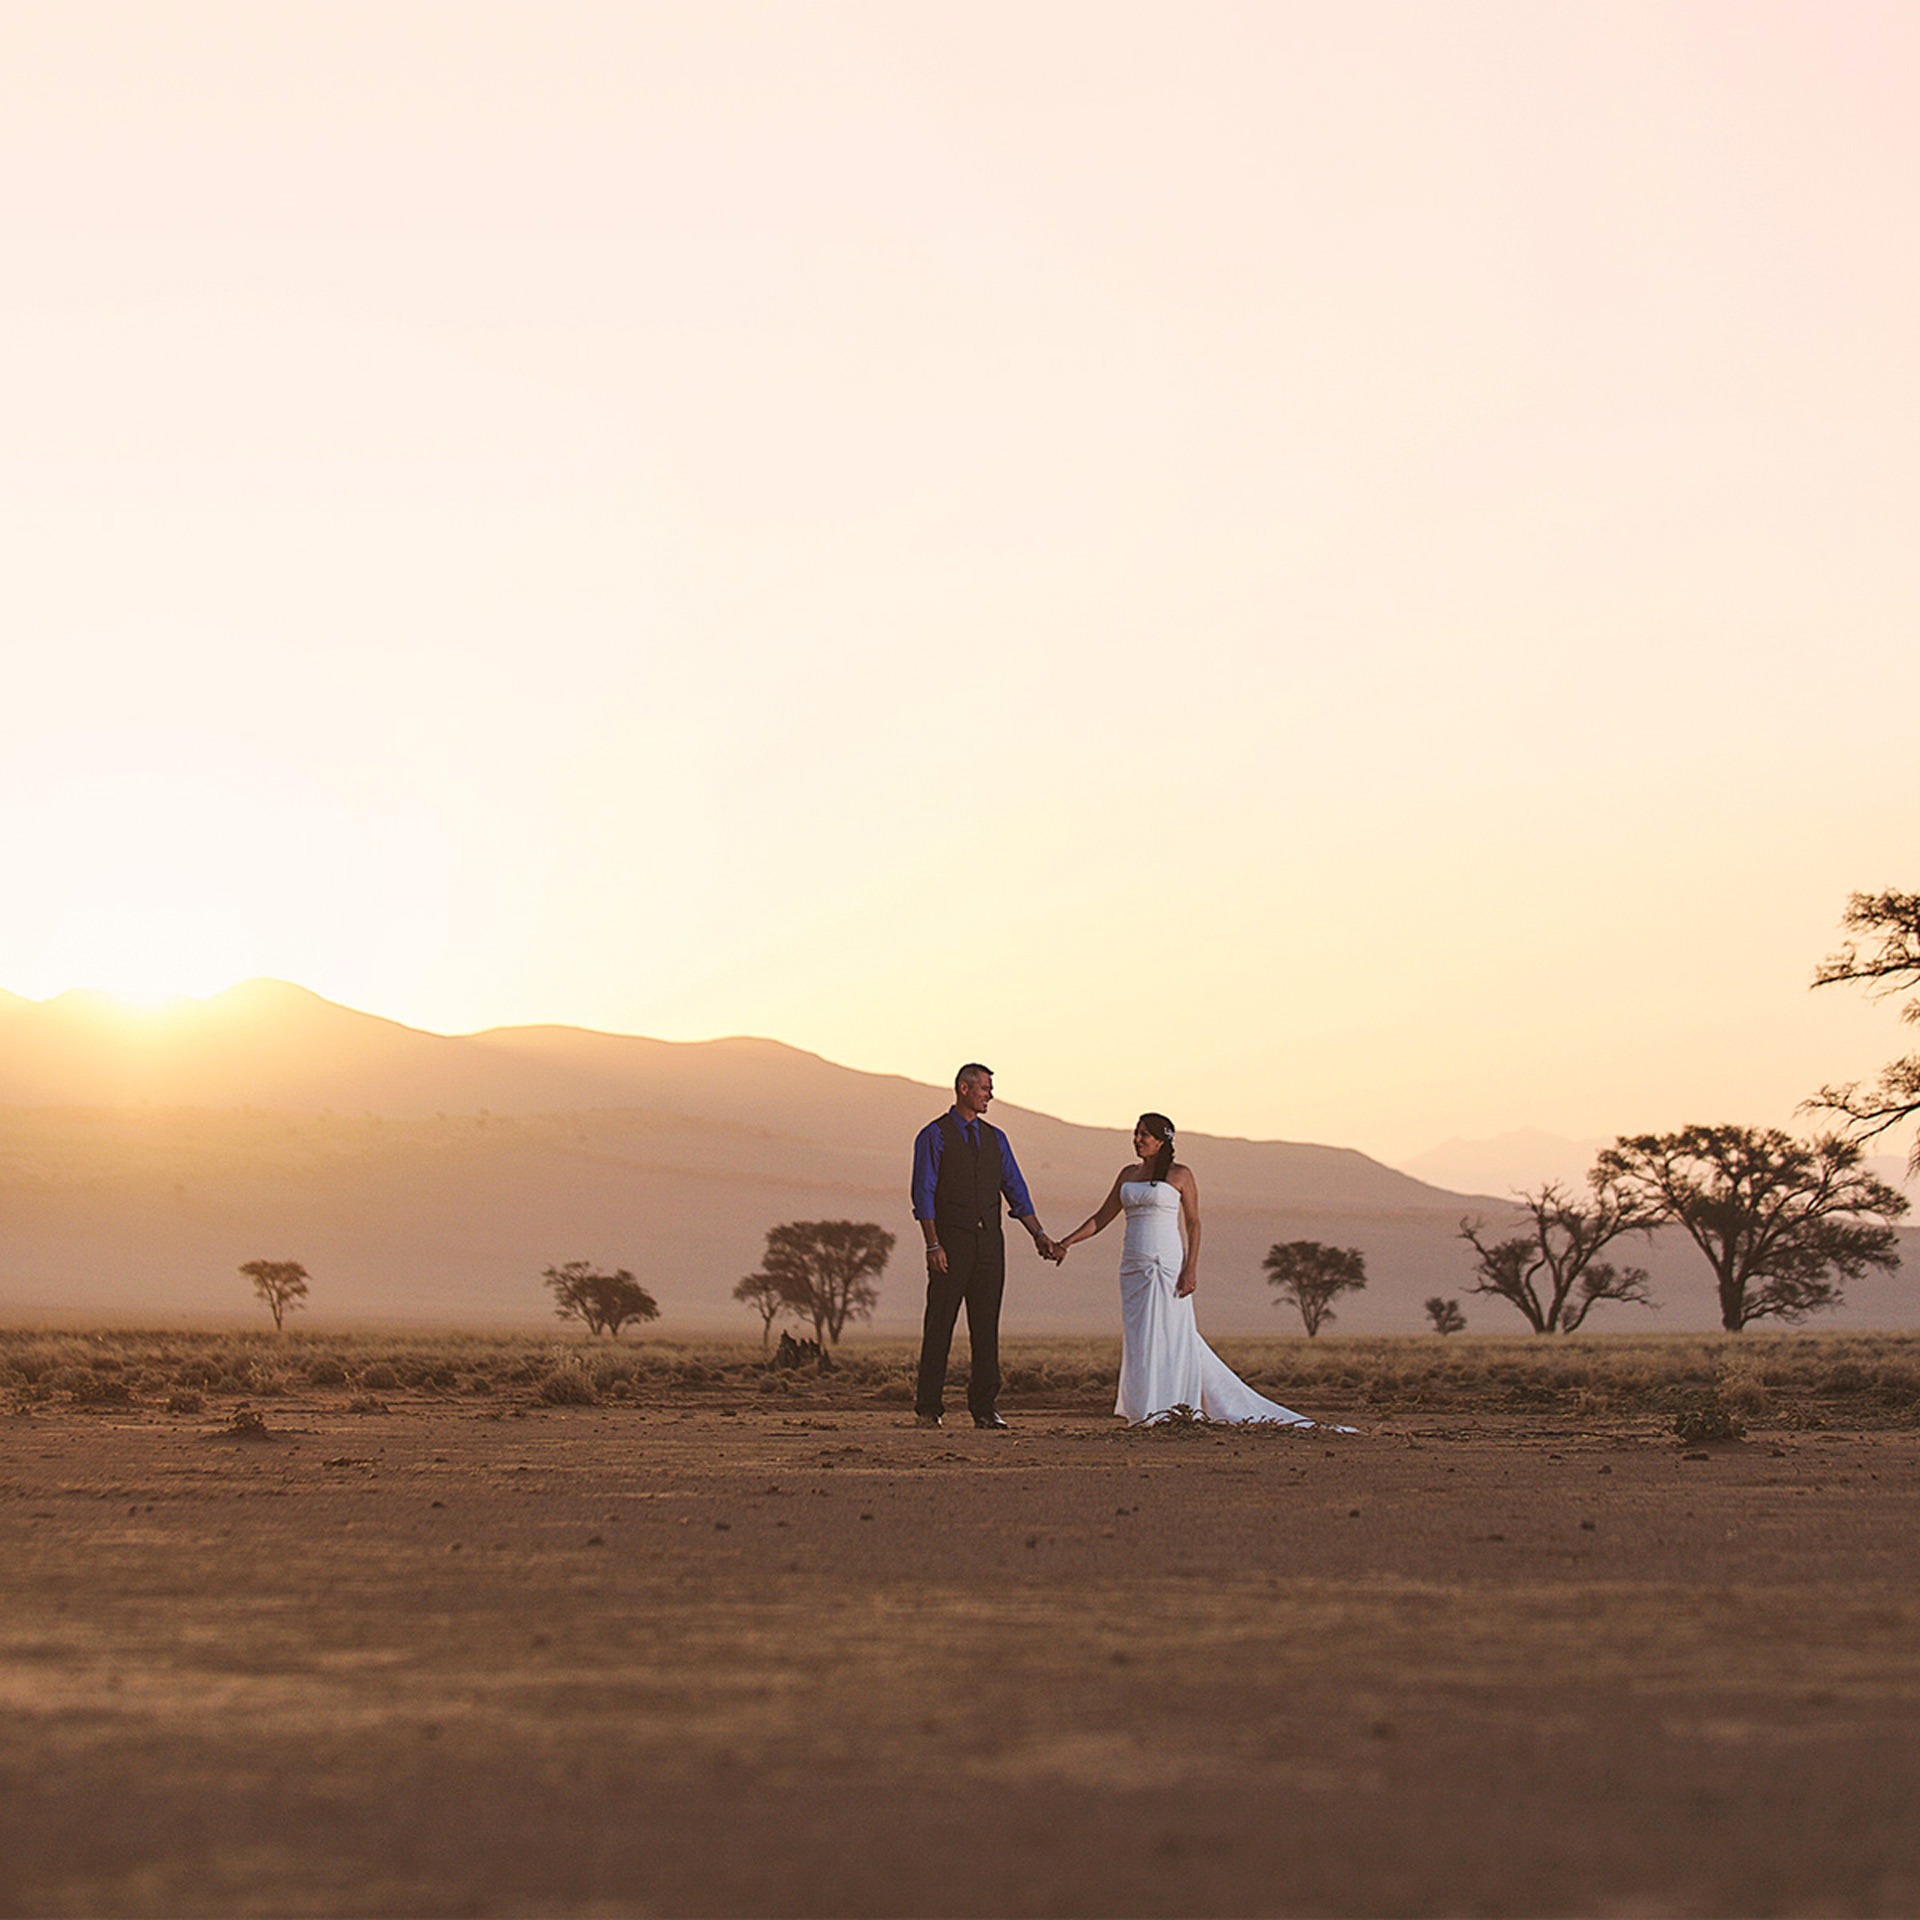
711, 1638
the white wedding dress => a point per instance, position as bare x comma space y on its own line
1163, 1361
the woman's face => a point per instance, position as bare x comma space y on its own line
1144, 1144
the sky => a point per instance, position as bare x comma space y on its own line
1344, 571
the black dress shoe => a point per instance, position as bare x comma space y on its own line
991, 1421
926, 1419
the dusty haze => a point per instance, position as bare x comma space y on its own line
144, 1155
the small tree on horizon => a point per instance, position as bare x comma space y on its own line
762, 1292
1311, 1276
1446, 1315
604, 1302
825, 1271
281, 1284
1552, 1271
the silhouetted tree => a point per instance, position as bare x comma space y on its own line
282, 1284
1552, 1271
604, 1301
825, 1271
1892, 967
1311, 1276
1782, 1221
761, 1292
1446, 1315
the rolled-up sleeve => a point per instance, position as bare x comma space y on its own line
926, 1169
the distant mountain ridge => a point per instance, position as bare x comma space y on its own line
270, 1045
145, 1155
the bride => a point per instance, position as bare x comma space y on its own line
1164, 1363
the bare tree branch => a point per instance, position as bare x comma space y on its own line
1552, 1272
1893, 966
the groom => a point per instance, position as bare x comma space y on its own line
961, 1168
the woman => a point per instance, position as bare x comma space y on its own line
1163, 1361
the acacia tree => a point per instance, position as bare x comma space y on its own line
1312, 1276
1445, 1314
1782, 1222
1552, 1271
1891, 967
282, 1284
825, 1271
604, 1301
762, 1293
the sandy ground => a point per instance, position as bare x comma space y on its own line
713, 1660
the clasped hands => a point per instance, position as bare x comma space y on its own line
1047, 1249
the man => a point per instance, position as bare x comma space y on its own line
961, 1169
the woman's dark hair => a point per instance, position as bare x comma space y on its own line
1161, 1128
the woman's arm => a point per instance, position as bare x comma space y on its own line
1101, 1218
1189, 1193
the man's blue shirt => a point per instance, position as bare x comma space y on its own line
928, 1144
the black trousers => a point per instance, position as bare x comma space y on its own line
976, 1274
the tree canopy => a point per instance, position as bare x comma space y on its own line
1888, 964
282, 1284
1311, 1276
824, 1271
605, 1302
1782, 1222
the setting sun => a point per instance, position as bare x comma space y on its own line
145, 939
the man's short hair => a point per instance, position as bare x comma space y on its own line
973, 1070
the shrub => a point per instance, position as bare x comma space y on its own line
379, 1377
326, 1373
97, 1390
1707, 1419
366, 1403
185, 1400
1742, 1392
568, 1387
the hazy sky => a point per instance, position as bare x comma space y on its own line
1347, 571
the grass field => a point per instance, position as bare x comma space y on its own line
1803, 1380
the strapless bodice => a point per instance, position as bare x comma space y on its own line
1153, 1221
1149, 1196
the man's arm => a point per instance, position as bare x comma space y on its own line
1019, 1201
926, 1172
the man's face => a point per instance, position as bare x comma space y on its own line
974, 1094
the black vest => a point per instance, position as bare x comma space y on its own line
966, 1191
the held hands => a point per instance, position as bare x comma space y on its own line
1053, 1250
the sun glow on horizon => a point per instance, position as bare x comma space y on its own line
147, 950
